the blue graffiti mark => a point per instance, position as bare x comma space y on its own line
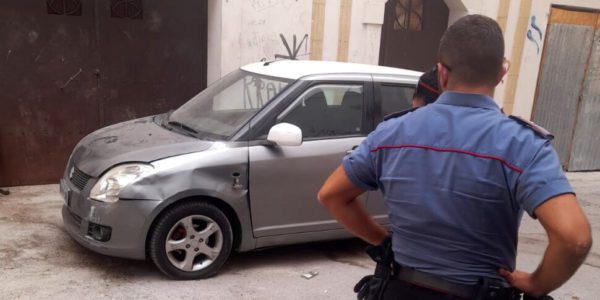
530, 37
534, 39
536, 27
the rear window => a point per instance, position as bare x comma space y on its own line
395, 98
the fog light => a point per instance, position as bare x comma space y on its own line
99, 232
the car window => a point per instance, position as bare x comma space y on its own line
247, 93
226, 105
395, 98
327, 110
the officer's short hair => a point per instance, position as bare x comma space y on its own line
473, 50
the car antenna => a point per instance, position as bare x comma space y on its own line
266, 63
278, 57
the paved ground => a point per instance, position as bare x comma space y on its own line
39, 261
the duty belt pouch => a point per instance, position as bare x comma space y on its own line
371, 287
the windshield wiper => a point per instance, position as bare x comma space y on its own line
183, 126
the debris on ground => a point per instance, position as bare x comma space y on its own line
4, 192
310, 274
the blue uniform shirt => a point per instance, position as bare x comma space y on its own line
456, 176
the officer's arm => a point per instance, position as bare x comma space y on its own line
569, 241
338, 195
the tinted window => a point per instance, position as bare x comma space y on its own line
327, 111
395, 98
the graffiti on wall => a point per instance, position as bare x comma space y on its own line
294, 51
260, 5
537, 37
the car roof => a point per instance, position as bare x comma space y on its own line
295, 69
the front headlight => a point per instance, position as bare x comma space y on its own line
109, 186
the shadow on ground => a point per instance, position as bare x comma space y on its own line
349, 252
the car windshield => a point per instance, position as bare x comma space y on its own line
225, 106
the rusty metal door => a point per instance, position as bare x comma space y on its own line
411, 33
152, 56
586, 142
559, 85
48, 91
68, 67
567, 95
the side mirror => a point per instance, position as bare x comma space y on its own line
285, 134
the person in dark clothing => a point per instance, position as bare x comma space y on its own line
427, 90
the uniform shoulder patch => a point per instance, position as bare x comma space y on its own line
539, 130
400, 113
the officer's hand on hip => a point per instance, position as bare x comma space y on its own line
521, 281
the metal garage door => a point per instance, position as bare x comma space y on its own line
68, 67
586, 141
568, 97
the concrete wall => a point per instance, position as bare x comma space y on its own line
365, 31
367, 20
331, 30
241, 31
459, 8
531, 59
518, 48
245, 31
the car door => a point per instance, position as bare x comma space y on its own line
389, 98
284, 180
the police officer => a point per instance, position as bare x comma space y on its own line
457, 176
427, 90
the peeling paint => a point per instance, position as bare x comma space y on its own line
155, 21
93, 216
127, 35
104, 139
71, 78
32, 36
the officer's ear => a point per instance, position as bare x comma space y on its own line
503, 71
442, 76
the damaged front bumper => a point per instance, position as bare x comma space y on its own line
115, 229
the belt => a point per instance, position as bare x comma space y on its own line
437, 284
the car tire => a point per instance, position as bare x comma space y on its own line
191, 240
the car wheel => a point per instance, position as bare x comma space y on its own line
191, 241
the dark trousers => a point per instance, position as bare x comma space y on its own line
398, 290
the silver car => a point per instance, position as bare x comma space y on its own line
237, 167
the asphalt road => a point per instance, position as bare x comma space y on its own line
38, 260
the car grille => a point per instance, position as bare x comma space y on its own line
78, 178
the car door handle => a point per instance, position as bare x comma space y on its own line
353, 148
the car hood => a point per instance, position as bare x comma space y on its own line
141, 140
